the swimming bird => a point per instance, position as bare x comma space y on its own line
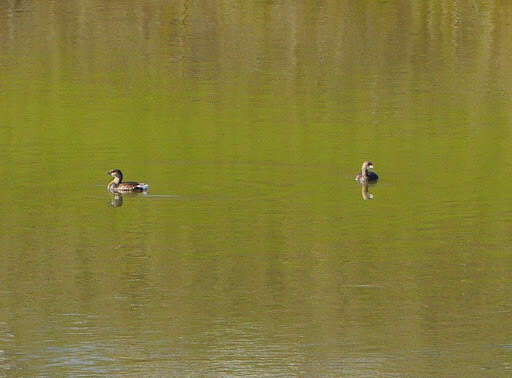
117, 185
366, 175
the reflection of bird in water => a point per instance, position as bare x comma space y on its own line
366, 175
117, 200
364, 191
117, 184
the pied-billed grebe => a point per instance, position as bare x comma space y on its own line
366, 175
117, 184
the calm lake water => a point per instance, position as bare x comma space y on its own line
254, 252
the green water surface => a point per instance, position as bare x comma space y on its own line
254, 252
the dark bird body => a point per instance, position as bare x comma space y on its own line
117, 185
366, 175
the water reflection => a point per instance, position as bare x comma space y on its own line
117, 200
365, 193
